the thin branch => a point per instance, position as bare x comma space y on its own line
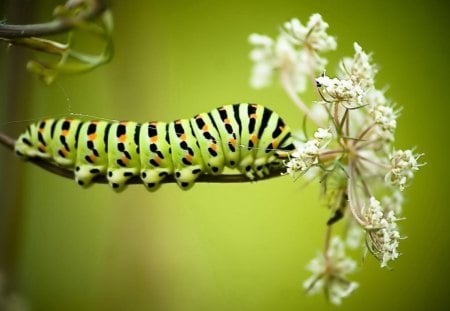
288, 87
60, 25
53, 168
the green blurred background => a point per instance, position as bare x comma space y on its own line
217, 247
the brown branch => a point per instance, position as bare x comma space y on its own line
60, 25
53, 168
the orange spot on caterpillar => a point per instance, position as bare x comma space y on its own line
64, 151
213, 147
188, 157
253, 139
124, 160
232, 141
154, 139
92, 157
275, 144
122, 138
253, 116
157, 160
183, 137
205, 128
64, 132
226, 121
92, 136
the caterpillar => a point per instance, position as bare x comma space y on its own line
248, 137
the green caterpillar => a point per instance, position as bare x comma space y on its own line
248, 137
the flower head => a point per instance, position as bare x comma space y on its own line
295, 53
382, 232
359, 68
313, 36
403, 165
329, 273
341, 90
382, 112
307, 154
261, 55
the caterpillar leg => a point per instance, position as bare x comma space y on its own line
84, 173
186, 176
261, 167
152, 177
118, 177
246, 166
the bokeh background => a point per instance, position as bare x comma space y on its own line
216, 247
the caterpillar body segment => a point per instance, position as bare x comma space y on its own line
91, 146
248, 137
156, 154
229, 131
123, 153
186, 157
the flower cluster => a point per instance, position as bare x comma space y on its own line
313, 35
341, 90
330, 271
403, 165
359, 68
352, 152
307, 154
383, 113
294, 54
382, 232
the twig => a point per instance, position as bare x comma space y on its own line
60, 25
53, 168
287, 85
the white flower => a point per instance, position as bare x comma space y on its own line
292, 62
382, 113
295, 53
262, 56
403, 165
330, 273
389, 238
382, 232
341, 90
303, 158
312, 36
359, 68
261, 75
373, 214
260, 40
323, 134
307, 154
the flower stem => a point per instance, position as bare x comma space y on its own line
287, 85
